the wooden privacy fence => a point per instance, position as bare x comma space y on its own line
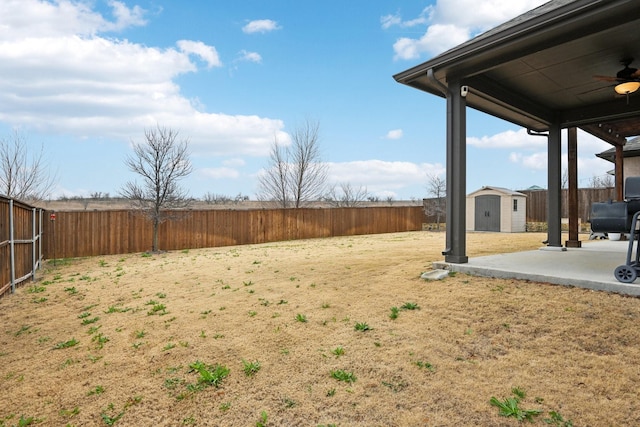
20, 243
92, 233
537, 202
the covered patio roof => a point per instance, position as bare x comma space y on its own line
540, 67
537, 71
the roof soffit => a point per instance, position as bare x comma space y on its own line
541, 66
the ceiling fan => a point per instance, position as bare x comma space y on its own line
627, 79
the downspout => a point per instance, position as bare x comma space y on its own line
536, 133
432, 77
545, 134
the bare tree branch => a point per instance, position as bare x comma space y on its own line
23, 176
274, 183
347, 196
604, 181
437, 189
296, 174
161, 161
564, 180
308, 174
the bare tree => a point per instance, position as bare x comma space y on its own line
275, 182
296, 174
347, 196
436, 205
223, 199
23, 176
161, 161
564, 180
604, 181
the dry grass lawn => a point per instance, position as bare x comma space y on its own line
146, 340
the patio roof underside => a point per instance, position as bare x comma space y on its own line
540, 68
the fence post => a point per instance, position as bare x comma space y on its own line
12, 248
40, 233
33, 244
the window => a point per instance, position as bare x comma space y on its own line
515, 205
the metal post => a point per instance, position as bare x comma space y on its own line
40, 238
33, 244
572, 171
12, 248
619, 171
554, 195
456, 175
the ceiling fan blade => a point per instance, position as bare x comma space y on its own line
606, 78
598, 89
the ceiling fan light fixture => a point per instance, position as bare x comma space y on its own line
627, 87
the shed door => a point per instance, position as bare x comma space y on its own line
488, 213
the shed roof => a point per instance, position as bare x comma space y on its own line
502, 190
541, 66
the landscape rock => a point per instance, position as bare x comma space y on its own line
438, 274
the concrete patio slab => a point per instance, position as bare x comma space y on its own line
590, 266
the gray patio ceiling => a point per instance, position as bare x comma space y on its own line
540, 67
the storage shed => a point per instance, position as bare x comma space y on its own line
496, 209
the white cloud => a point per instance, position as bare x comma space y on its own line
235, 163
451, 22
438, 38
480, 15
244, 55
389, 21
380, 176
590, 144
60, 77
206, 53
37, 18
530, 152
535, 161
590, 167
509, 139
261, 26
394, 134
126, 17
219, 173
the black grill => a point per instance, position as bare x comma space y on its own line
621, 217
616, 217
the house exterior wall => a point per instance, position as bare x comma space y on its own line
631, 166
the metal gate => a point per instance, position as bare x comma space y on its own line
487, 213
20, 243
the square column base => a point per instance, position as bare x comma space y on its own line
573, 244
456, 259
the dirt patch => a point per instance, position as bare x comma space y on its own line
143, 340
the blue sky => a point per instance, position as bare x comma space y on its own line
82, 79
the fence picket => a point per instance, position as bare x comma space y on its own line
93, 233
